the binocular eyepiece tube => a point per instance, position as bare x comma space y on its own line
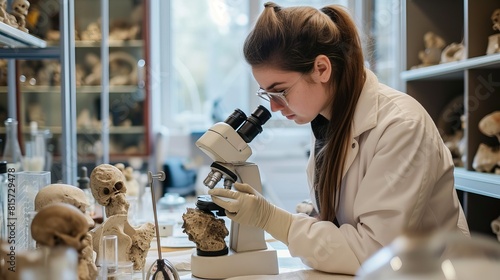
249, 127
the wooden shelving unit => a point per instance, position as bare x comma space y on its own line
476, 79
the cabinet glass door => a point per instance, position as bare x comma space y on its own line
126, 84
39, 90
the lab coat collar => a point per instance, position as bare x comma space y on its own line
365, 116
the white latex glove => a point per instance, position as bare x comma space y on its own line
248, 207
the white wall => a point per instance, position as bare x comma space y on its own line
271, 143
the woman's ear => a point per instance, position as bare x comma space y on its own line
322, 68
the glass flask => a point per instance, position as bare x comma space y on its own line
12, 151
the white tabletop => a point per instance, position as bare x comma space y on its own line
289, 267
177, 249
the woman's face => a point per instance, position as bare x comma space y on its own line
306, 96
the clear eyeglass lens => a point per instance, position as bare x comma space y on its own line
268, 97
279, 100
262, 94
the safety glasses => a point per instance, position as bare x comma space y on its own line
277, 97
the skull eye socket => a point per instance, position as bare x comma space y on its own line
105, 191
118, 186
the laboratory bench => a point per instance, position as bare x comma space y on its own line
289, 267
177, 249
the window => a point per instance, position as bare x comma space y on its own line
204, 77
384, 18
208, 77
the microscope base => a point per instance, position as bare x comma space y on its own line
260, 262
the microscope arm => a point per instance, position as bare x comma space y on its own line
244, 237
247, 206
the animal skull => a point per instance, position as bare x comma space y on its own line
20, 7
60, 224
495, 18
490, 125
69, 194
106, 181
486, 159
20, 11
3, 12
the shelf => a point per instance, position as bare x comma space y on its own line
112, 130
451, 70
479, 183
111, 44
15, 38
112, 89
97, 44
30, 53
79, 89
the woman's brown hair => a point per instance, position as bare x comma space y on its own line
291, 39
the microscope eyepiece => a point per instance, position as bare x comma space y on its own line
236, 119
253, 125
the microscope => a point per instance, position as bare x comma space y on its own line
226, 143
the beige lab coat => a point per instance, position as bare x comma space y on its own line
398, 176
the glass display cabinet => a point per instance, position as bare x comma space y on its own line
110, 96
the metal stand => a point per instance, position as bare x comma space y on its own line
158, 270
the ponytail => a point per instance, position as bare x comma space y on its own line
350, 76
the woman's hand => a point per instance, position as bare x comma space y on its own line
247, 206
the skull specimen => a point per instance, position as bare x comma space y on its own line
107, 184
62, 224
59, 224
490, 125
20, 7
20, 11
495, 18
3, 12
66, 194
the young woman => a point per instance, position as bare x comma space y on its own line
378, 167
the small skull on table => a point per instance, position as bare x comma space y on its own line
64, 193
74, 196
107, 184
61, 224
